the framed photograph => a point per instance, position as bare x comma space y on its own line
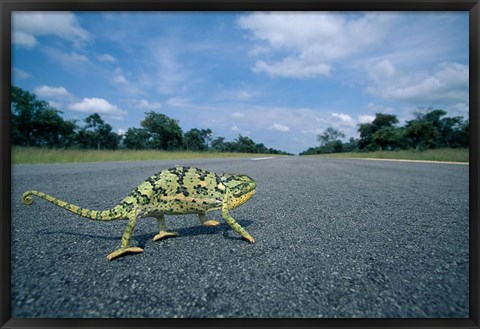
258, 163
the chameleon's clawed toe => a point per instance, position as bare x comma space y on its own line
122, 251
211, 222
249, 238
164, 234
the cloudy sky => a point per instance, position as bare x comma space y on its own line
279, 78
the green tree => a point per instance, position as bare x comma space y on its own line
384, 120
351, 145
261, 148
335, 146
422, 134
430, 130
197, 139
385, 123
50, 130
244, 144
36, 123
24, 107
207, 136
329, 141
97, 134
387, 138
463, 138
137, 139
218, 144
165, 132
454, 132
193, 140
330, 135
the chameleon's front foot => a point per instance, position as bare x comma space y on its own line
122, 251
210, 222
248, 237
164, 234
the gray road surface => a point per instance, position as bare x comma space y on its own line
335, 238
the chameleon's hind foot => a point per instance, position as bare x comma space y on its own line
164, 234
210, 222
122, 251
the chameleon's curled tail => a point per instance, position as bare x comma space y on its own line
115, 213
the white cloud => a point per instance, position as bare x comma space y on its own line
51, 92
20, 74
382, 70
107, 58
235, 95
146, 105
279, 127
366, 118
178, 102
98, 105
308, 43
75, 57
124, 85
344, 118
66, 59
237, 115
55, 104
23, 39
459, 109
240, 131
448, 83
293, 68
243, 95
119, 79
28, 26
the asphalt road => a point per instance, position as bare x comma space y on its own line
334, 238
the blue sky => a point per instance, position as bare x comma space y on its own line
279, 78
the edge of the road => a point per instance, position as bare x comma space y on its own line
415, 161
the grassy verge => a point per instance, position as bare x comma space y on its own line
448, 155
27, 155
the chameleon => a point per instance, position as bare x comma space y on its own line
173, 191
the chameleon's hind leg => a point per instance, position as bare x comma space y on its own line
205, 221
233, 224
162, 228
125, 247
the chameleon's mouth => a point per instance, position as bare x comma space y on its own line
238, 201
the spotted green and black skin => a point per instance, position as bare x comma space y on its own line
174, 191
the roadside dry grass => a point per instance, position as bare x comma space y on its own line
448, 155
28, 155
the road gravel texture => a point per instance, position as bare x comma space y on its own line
335, 238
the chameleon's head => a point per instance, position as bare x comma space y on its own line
242, 188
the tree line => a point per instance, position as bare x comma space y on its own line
429, 129
35, 123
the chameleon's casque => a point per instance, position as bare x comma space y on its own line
174, 191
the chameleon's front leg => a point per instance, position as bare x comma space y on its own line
125, 247
162, 228
233, 224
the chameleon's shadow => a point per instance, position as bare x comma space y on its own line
223, 228
142, 239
